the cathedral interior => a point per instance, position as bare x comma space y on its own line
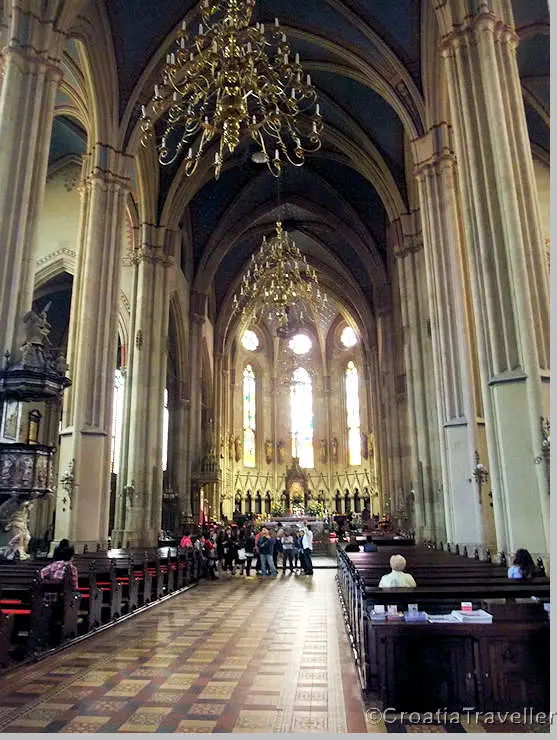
417, 385
269, 260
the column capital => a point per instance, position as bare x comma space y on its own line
107, 166
198, 306
405, 234
468, 32
37, 32
433, 150
458, 17
151, 255
411, 245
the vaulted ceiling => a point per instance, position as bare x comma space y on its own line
365, 60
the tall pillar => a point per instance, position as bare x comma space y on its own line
198, 312
30, 76
123, 490
468, 521
380, 452
393, 463
144, 465
426, 466
84, 459
183, 476
505, 259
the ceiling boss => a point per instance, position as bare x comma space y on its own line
231, 81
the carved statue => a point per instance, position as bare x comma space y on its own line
36, 328
268, 451
230, 445
371, 446
364, 445
18, 533
237, 449
61, 365
323, 450
281, 451
334, 449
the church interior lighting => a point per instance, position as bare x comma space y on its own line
278, 282
232, 81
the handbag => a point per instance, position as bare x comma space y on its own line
241, 553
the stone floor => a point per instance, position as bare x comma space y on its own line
236, 655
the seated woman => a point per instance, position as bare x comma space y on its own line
523, 566
370, 545
352, 546
397, 578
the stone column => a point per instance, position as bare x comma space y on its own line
505, 259
380, 465
453, 336
183, 477
30, 76
198, 313
123, 490
84, 459
148, 381
426, 469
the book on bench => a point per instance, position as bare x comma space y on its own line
478, 616
441, 618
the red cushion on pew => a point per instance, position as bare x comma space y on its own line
16, 611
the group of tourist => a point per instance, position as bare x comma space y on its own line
245, 551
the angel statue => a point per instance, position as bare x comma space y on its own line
18, 530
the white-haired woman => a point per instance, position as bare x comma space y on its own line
397, 578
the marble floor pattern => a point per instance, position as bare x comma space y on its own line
236, 655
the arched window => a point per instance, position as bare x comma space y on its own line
301, 406
249, 417
165, 422
353, 414
117, 421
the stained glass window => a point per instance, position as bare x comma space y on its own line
250, 340
117, 421
353, 413
348, 337
249, 417
300, 344
302, 417
165, 423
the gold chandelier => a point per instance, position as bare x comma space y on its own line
278, 283
233, 81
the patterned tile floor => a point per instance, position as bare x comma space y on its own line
237, 655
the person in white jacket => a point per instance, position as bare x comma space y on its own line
397, 578
307, 546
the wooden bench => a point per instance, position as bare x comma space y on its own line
444, 581
503, 666
37, 614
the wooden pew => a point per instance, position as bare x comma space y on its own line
44, 613
36, 615
444, 581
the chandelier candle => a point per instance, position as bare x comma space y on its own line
230, 83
